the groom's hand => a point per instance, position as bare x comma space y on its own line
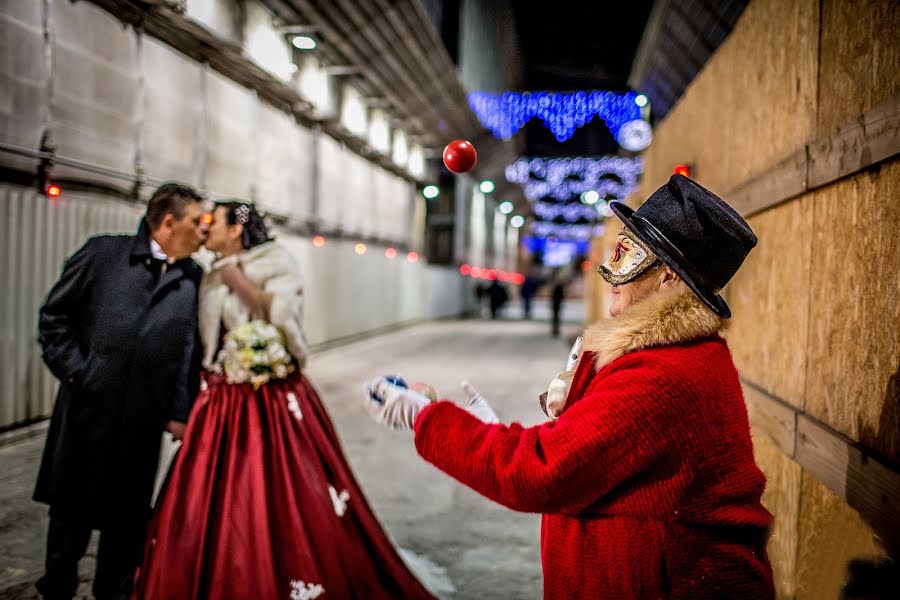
176, 428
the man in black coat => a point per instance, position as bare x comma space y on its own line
119, 330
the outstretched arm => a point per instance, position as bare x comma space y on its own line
615, 433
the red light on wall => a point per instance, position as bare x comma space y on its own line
54, 191
517, 278
476, 272
390, 253
207, 218
465, 269
682, 170
412, 257
318, 241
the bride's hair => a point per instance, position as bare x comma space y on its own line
245, 213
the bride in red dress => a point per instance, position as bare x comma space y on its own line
260, 502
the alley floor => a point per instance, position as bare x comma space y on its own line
484, 550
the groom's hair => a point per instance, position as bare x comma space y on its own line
169, 198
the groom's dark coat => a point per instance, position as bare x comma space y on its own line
123, 342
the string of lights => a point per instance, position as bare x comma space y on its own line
543, 229
571, 212
562, 112
564, 178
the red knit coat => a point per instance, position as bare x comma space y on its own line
647, 481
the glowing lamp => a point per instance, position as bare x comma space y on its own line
683, 169
54, 191
318, 241
390, 253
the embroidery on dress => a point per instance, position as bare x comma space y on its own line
301, 590
294, 406
339, 500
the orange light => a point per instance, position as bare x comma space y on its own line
412, 257
682, 170
390, 253
318, 241
54, 191
360, 248
465, 269
585, 265
207, 218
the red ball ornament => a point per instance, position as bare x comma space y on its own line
460, 156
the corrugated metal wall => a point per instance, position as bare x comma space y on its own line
36, 234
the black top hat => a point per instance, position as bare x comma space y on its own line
695, 233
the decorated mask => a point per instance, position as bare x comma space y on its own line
630, 260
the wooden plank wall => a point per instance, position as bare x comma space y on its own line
796, 120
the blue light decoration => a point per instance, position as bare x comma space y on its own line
554, 248
562, 112
571, 212
564, 178
582, 233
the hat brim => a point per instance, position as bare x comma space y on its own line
667, 253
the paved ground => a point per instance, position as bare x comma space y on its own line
486, 550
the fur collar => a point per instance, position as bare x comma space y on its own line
665, 318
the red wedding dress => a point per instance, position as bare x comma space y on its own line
261, 504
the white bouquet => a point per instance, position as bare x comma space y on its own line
254, 353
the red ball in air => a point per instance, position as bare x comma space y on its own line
460, 156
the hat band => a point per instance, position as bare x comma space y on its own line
659, 238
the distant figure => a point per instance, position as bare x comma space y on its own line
498, 296
557, 296
481, 292
528, 290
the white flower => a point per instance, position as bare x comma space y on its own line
254, 353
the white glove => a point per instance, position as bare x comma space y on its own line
392, 405
477, 405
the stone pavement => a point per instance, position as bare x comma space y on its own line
486, 550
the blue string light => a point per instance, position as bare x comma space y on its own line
542, 229
564, 178
571, 212
562, 112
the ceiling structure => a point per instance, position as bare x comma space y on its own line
570, 46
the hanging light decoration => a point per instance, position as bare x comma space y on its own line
584, 232
563, 178
562, 112
571, 212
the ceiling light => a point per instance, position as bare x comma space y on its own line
304, 42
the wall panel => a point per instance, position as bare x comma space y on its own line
173, 136
23, 80
37, 235
96, 102
232, 120
830, 533
854, 342
860, 59
772, 288
782, 499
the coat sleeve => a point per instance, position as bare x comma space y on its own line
187, 385
625, 424
286, 311
58, 319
